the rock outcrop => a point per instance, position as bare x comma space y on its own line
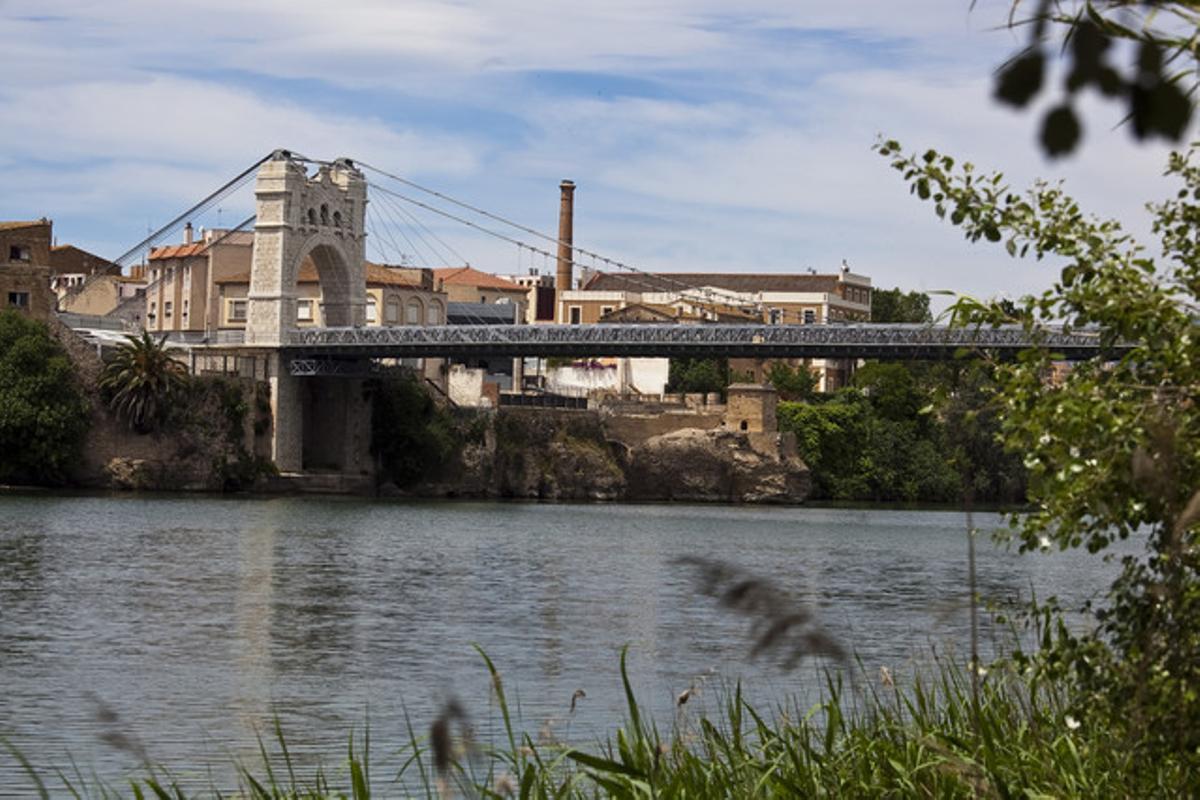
568, 455
717, 465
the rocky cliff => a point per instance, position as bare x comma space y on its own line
569, 455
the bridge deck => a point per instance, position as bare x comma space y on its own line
878, 341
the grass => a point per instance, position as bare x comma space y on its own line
931, 738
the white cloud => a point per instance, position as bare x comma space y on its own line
750, 146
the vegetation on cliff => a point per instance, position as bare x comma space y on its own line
43, 412
907, 432
412, 437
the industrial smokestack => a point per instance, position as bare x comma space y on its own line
566, 227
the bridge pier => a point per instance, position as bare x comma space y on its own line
287, 416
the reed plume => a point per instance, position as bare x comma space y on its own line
780, 624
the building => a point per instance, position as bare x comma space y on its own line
714, 297
203, 285
469, 285
783, 299
25, 267
184, 279
395, 296
101, 294
71, 267
539, 295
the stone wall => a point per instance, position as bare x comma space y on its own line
216, 439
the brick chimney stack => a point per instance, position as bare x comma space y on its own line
566, 226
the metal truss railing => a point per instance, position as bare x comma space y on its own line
795, 341
333, 367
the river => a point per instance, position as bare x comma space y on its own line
178, 627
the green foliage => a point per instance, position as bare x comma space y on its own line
894, 305
1113, 449
411, 437
142, 381
855, 453
690, 375
907, 432
792, 383
43, 413
1154, 89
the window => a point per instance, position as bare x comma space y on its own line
18, 252
393, 312
237, 310
372, 311
304, 310
605, 311
185, 310
810, 316
167, 309
412, 312
776, 316
153, 311
18, 299
576, 314
433, 314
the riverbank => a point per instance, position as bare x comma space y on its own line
936, 737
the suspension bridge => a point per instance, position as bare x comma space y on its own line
322, 217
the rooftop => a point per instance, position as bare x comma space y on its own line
469, 276
17, 225
377, 275
747, 283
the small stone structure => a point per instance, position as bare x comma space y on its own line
750, 408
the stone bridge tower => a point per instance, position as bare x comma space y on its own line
322, 217
298, 217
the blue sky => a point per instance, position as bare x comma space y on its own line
700, 137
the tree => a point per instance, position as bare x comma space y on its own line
1164, 35
894, 305
142, 380
1113, 448
792, 383
43, 413
692, 375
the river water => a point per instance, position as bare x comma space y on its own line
176, 628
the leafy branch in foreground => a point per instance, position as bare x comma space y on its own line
1112, 445
1163, 36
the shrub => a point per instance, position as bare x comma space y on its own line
43, 412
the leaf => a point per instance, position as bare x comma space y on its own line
1021, 79
604, 764
1060, 131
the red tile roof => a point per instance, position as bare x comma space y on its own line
177, 251
469, 276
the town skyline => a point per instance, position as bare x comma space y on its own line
119, 117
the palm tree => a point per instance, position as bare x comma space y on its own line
141, 380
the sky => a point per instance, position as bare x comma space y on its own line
703, 135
